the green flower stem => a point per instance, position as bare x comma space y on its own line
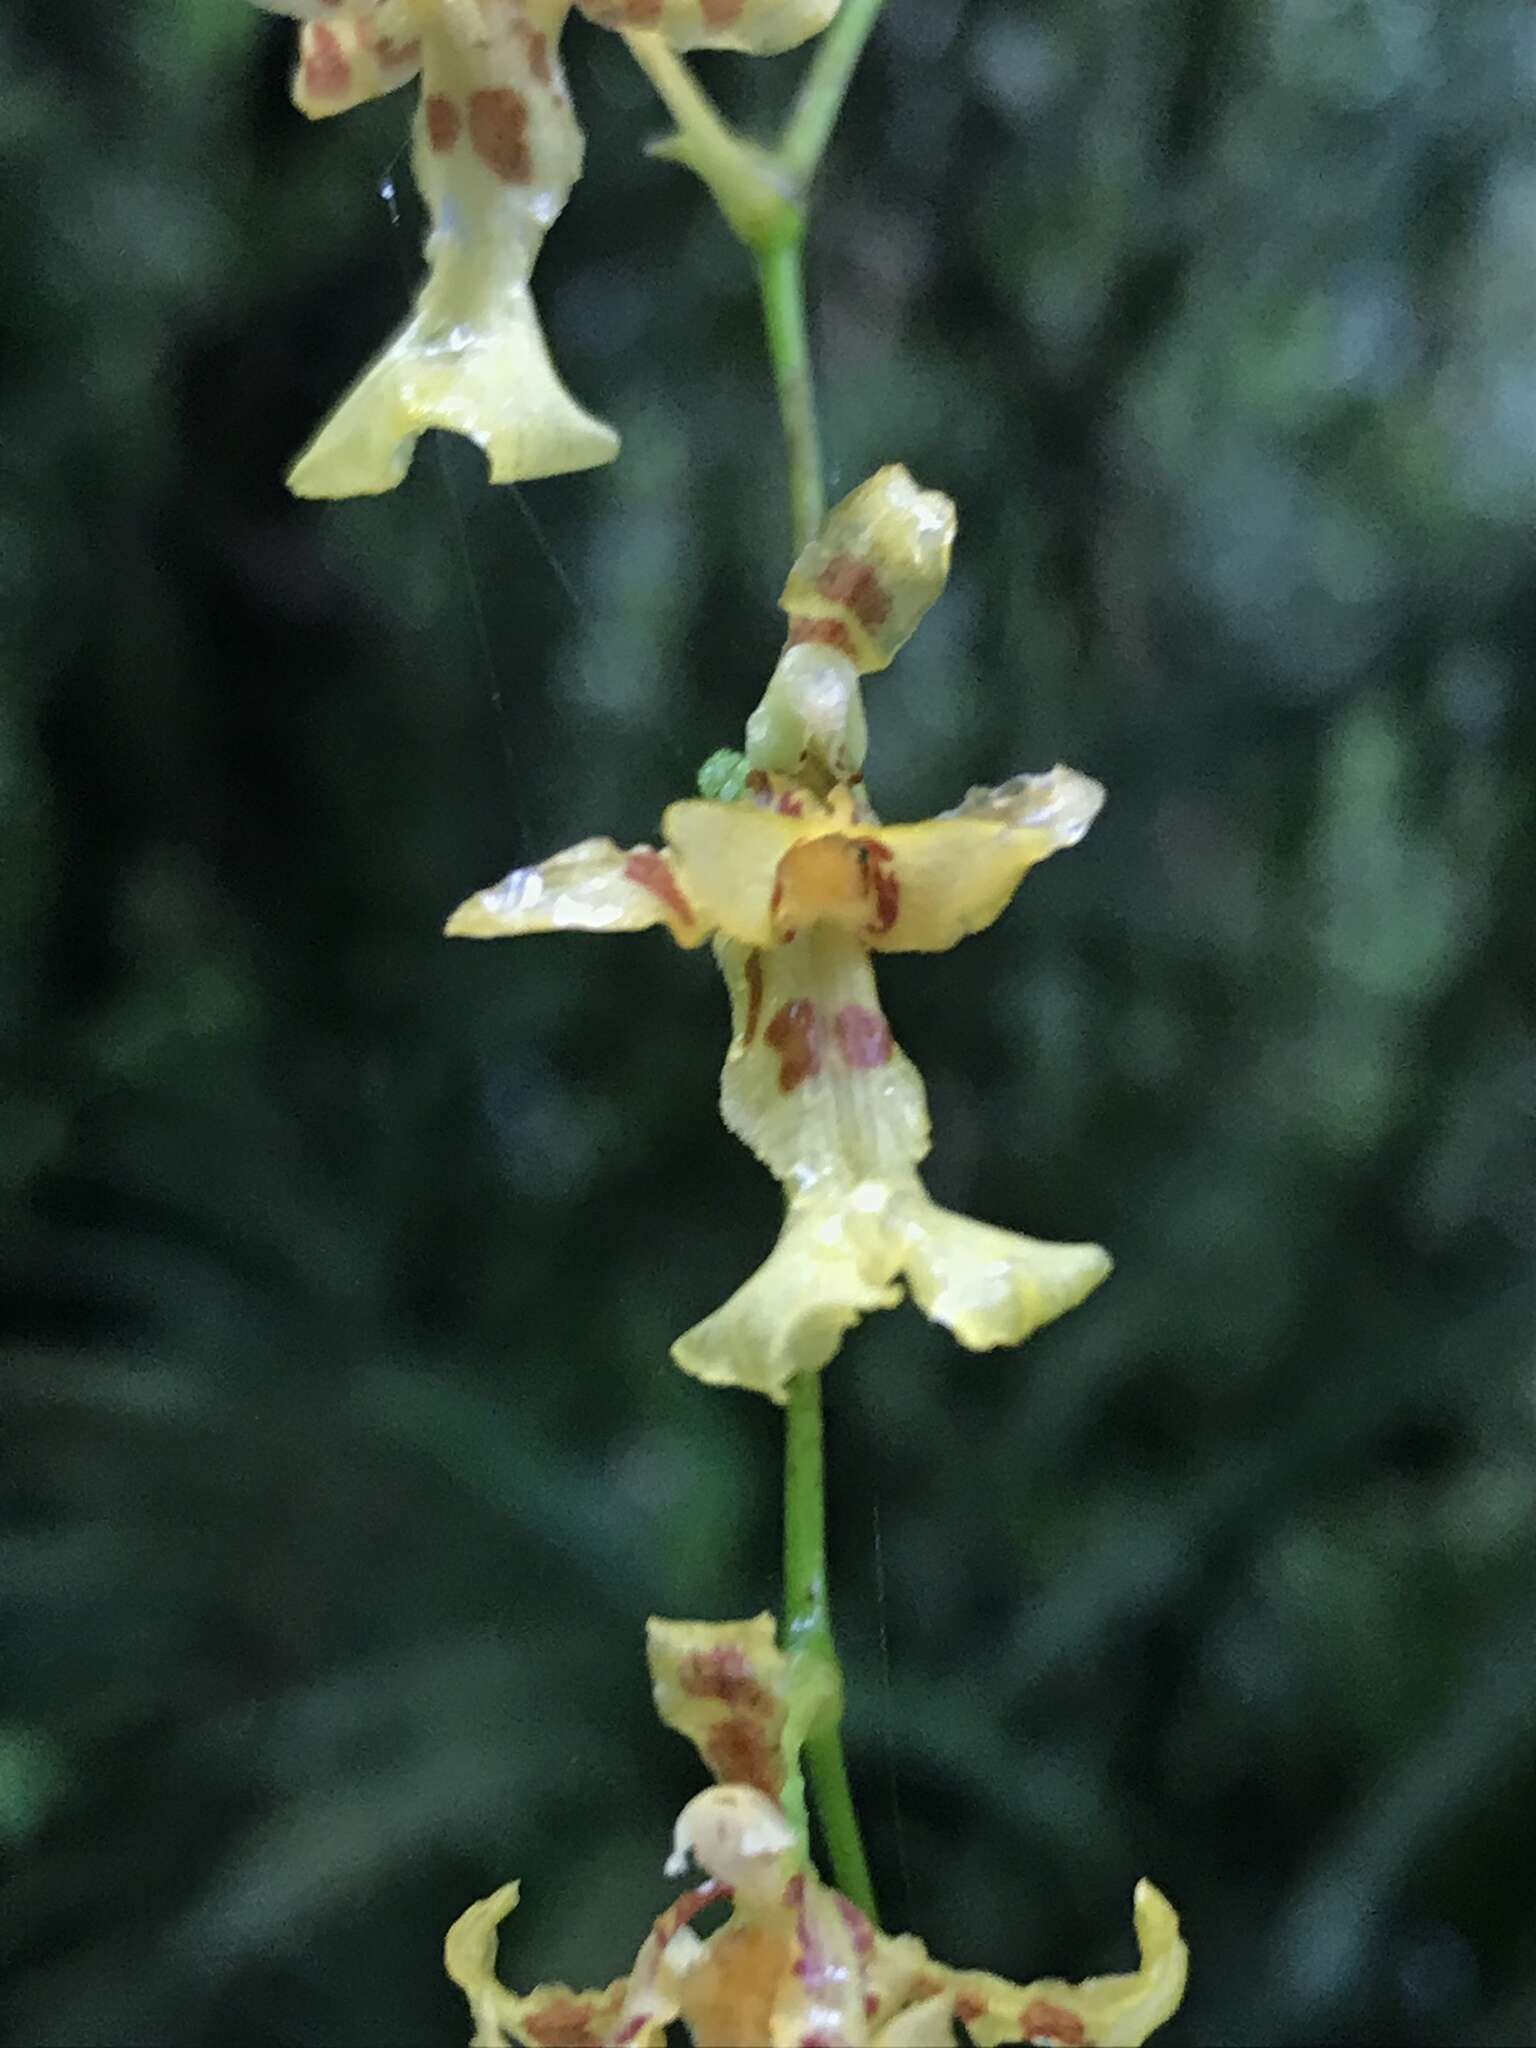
762, 195
781, 287
804, 141
779, 259
808, 1636
778, 252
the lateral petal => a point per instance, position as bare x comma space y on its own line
469, 1957
956, 874
654, 1990
901, 1978
821, 1997
930, 2024
597, 886
1102, 2012
551, 2013
348, 57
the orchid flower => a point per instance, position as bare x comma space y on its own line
795, 1964
496, 149
800, 885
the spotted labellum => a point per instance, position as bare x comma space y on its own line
496, 149
790, 872
792, 1963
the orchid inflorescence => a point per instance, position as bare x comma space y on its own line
782, 862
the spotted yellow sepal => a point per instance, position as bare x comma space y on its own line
725, 1686
878, 563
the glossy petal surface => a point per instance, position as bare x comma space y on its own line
594, 887
797, 1963
957, 874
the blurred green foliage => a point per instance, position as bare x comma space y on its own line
343, 1458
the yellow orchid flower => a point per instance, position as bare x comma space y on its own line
795, 1965
496, 150
799, 884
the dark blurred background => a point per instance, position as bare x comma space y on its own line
343, 1458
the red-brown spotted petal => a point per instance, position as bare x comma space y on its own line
350, 55
552, 2016
1102, 2012
956, 874
821, 1999
594, 887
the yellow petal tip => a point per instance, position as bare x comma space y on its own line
498, 389
990, 1286
1060, 804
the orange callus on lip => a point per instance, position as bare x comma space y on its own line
825, 878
